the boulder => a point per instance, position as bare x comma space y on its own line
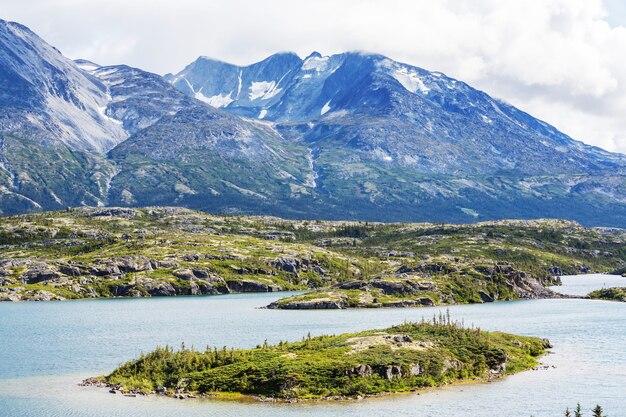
128, 290
287, 264
424, 301
103, 270
167, 263
390, 372
38, 274
158, 288
210, 288
352, 285
134, 263
360, 371
402, 339
450, 364
247, 286
41, 295
186, 274
71, 271
414, 370
392, 287
486, 298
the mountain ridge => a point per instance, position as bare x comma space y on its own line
348, 136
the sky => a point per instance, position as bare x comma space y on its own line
563, 61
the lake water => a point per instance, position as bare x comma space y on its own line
46, 349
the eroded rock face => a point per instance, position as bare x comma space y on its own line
159, 289
287, 264
450, 364
424, 301
126, 213
390, 372
360, 371
39, 273
251, 286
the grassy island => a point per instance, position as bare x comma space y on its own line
611, 294
406, 357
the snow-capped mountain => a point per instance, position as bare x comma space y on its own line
391, 113
349, 136
45, 97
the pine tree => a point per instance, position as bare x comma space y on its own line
598, 411
568, 413
578, 412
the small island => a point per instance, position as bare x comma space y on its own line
406, 357
610, 294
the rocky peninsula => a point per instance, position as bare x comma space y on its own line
166, 251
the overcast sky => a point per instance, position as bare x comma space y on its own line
563, 61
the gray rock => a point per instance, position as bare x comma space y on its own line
168, 263
360, 371
39, 274
186, 274
390, 372
414, 370
310, 305
247, 286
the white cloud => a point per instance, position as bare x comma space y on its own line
559, 60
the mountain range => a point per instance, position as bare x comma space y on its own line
348, 136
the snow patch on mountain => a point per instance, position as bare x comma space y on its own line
239, 83
410, 80
218, 101
382, 155
325, 108
317, 63
263, 90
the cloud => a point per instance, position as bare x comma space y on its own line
559, 60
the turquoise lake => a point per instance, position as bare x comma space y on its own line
47, 348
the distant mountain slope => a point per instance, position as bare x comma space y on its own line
396, 142
348, 136
394, 113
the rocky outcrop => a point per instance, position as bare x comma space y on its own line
310, 305
388, 372
251, 286
39, 273
420, 302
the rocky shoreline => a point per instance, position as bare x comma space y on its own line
182, 395
419, 287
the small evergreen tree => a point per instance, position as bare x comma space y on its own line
598, 411
567, 413
578, 412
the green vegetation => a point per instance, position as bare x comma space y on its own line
164, 251
400, 358
612, 294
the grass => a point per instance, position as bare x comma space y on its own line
611, 294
